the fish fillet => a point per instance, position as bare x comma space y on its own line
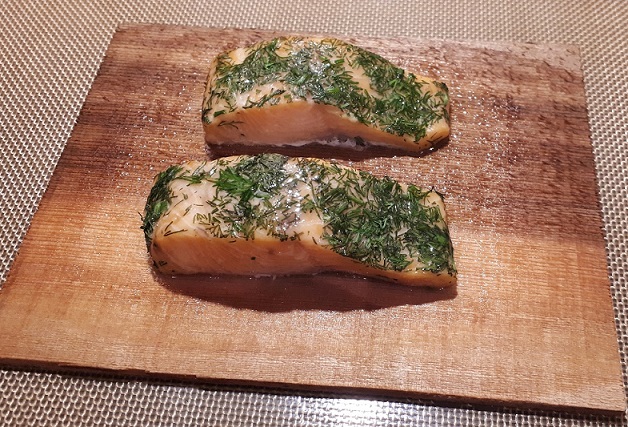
271, 214
295, 91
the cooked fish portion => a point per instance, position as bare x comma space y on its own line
275, 215
295, 91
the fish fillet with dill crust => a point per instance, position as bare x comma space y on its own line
293, 91
271, 214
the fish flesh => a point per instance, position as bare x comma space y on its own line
294, 91
271, 214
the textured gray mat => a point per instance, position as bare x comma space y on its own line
50, 52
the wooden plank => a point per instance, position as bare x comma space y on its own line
530, 323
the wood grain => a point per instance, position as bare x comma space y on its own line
530, 323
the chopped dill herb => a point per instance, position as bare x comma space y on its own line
170, 232
270, 98
253, 176
250, 198
326, 71
375, 221
158, 201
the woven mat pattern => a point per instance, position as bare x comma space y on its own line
50, 52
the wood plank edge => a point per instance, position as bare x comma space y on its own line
470, 43
614, 412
